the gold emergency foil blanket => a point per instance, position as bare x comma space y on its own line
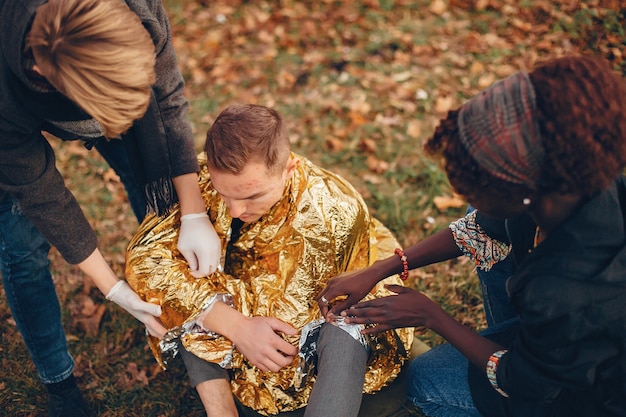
274, 267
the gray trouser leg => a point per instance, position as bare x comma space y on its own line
200, 370
341, 367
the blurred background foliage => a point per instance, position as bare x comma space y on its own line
361, 85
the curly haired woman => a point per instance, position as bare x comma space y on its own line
544, 153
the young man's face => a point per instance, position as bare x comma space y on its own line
253, 192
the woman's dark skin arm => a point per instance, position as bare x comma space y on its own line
410, 308
356, 284
407, 308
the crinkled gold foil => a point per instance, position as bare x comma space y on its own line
320, 228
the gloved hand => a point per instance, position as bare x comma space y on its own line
122, 295
199, 244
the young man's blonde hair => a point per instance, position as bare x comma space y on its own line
244, 133
99, 55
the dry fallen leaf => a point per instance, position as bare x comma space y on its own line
88, 307
438, 7
414, 129
377, 165
443, 104
83, 365
373, 179
356, 118
91, 324
486, 80
110, 176
137, 375
445, 202
88, 283
368, 145
334, 144
86, 314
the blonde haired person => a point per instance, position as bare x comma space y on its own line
97, 71
254, 328
106, 69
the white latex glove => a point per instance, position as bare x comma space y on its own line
122, 295
199, 244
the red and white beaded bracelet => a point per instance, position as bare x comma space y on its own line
405, 264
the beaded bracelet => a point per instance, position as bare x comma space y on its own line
405, 264
492, 366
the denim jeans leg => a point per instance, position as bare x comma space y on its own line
114, 153
31, 294
437, 383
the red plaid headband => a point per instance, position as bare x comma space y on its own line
498, 129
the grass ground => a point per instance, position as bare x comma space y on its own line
361, 84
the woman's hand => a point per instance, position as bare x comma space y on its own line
120, 293
198, 241
354, 285
408, 308
199, 244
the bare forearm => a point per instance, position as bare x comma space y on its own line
223, 319
97, 268
189, 195
473, 346
436, 248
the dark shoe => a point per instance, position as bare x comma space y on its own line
68, 404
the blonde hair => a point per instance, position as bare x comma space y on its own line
99, 55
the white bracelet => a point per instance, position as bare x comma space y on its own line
193, 216
492, 366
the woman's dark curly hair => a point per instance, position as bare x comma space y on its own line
581, 113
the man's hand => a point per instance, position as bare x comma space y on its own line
147, 313
257, 339
199, 244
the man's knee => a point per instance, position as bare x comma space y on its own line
339, 342
338, 351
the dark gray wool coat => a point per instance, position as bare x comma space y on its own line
159, 145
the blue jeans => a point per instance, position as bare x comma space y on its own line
437, 380
31, 294
27, 281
